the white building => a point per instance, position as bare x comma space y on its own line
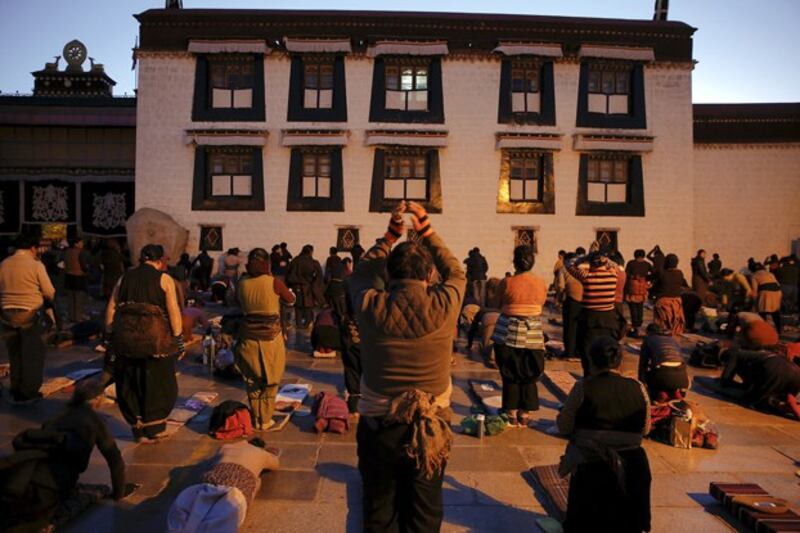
305, 127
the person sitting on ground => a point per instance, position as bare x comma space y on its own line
406, 326
605, 417
44, 469
661, 365
519, 339
767, 292
668, 309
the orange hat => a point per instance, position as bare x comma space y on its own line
759, 333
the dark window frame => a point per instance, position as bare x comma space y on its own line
634, 207
546, 204
637, 115
547, 107
202, 111
379, 204
295, 201
202, 199
435, 112
296, 111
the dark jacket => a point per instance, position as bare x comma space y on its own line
658, 349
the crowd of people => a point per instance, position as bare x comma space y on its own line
394, 312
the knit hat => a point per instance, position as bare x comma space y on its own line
760, 334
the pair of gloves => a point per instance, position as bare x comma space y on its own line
419, 217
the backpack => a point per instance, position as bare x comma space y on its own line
230, 420
706, 355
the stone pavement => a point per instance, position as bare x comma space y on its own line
488, 487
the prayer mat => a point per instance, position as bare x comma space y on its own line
488, 394
57, 384
83, 497
186, 411
754, 507
560, 382
291, 395
555, 486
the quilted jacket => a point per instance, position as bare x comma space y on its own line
407, 326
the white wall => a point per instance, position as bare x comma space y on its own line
747, 200
469, 164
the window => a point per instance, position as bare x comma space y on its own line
525, 87
229, 87
231, 173
232, 79
211, 238
318, 84
527, 94
525, 237
228, 178
525, 179
607, 180
610, 184
609, 90
407, 87
317, 91
611, 95
406, 173
346, 238
406, 178
315, 179
607, 239
316, 175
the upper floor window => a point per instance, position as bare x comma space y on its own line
526, 182
527, 95
407, 89
611, 95
228, 178
406, 173
525, 179
610, 184
317, 89
229, 87
315, 179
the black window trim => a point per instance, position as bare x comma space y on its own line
201, 108
377, 109
634, 207
295, 201
296, 112
635, 119
547, 107
546, 205
377, 202
202, 200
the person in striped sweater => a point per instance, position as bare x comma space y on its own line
598, 317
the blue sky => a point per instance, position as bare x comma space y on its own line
746, 49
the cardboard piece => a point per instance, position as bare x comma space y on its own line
488, 393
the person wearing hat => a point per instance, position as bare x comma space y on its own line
143, 321
260, 352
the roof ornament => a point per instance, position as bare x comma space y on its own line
174, 4
660, 11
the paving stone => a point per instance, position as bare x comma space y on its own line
505, 488
482, 458
473, 518
687, 519
739, 435
784, 485
685, 489
726, 459
299, 456
292, 517
340, 484
289, 485
344, 454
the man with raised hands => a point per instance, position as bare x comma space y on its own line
407, 325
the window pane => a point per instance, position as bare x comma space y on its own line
324, 165
531, 169
231, 164
310, 99
309, 165
393, 189
532, 101
419, 167
326, 76
311, 76
217, 164
392, 78
407, 79
617, 192
243, 98
516, 168
608, 82
243, 185
416, 189
596, 192
391, 167
597, 103
606, 170
594, 81
515, 190
395, 100
532, 190
621, 170
622, 83
309, 187
325, 99
422, 78
418, 100
220, 185
518, 102
220, 98
246, 164
533, 81
324, 187
518, 80
618, 104
405, 167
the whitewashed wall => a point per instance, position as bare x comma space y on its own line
469, 164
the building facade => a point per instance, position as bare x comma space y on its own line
67, 153
256, 127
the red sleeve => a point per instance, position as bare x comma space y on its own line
283, 291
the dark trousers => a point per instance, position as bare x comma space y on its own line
396, 496
336, 298
351, 360
776, 318
569, 315
637, 313
520, 369
592, 325
666, 379
146, 393
26, 351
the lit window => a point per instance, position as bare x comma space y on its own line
609, 89
407, 87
